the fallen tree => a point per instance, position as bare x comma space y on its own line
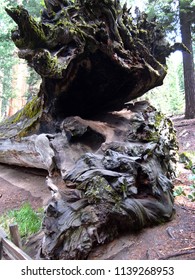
108, 163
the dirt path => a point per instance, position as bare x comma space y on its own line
173, 240
19, 185
13, 197
185, 133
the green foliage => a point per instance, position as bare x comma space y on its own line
168, 11
8, 52
29, 221
188, 158
169, 98
191, 195
177, 17
179, 191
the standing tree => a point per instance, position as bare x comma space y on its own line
180, 15
187, 18
6, 52
8, 57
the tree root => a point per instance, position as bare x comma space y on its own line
185, 251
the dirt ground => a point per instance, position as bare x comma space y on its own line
185, 133
19, 185
173, 240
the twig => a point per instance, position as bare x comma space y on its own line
179, 181
183, 124
170, 233
187, 208
186, 251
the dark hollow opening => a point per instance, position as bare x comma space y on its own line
102, 86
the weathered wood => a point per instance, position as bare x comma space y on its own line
181, 252
33, 151
15, 236
13, 252
9, 248
109, 163
120, 183
92, 56
2, 235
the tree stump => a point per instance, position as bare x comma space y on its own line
114, 180
109, 163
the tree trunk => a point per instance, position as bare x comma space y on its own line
1, 91
119, 184
109, 163
188, 65
19, 87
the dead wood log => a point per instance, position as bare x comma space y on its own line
15, 236
187, 251
118, 184
33, 151
109, 164
92, 56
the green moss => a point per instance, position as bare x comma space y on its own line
98, 189
24, 121
30, 110
158, 119
153, 136
30, 34
50, 65
155, 122
188, 158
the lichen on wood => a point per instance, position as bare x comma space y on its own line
121, 185
25, 122
92, 55
109, 161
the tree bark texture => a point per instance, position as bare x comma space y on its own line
91, 55
109, 164
119, 184
188, 63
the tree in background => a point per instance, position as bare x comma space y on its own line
169, 98
175, 16
8, 53
166, 12
187, 19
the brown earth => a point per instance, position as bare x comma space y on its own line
19, 185
185, 133
173, 240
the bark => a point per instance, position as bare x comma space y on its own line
1, 91
113, 170
109, 164
19, 87
119, 184
91, 55
188, 64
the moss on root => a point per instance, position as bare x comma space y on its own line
24, 121
30, 110
188, 158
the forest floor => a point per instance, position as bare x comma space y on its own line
173, 240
